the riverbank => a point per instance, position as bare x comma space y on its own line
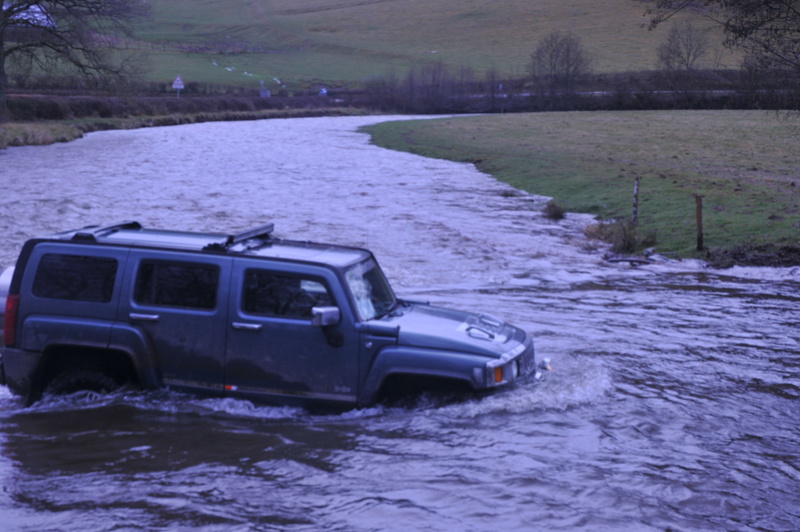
742, 165
44, 132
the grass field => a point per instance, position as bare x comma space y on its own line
344, 42
744, 164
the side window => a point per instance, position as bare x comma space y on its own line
75, 278
177, 284
273, 294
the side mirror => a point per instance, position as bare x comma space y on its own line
325, 316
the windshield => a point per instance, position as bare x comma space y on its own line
370, 290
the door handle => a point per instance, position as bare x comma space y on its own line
247, 326
144, 317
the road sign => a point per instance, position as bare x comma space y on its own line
178, 83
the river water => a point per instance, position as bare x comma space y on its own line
673, 404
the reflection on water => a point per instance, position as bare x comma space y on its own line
673, 402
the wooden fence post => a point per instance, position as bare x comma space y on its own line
698, 203
636, 201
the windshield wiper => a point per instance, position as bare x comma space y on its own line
389, 310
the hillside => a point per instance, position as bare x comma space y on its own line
342, 42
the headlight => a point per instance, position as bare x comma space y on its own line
497, 372
507, 368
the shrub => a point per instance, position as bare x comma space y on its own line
554, 211
622, 235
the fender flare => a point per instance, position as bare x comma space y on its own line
137, 345
395, 360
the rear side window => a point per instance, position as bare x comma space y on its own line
270, 294
177, 284
75, 278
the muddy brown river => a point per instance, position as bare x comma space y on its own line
673, 404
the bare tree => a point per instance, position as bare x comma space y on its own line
769, 29
557, 63
494, 88
77, 35
684, 46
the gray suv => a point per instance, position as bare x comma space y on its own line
245, 315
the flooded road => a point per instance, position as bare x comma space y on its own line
673, 404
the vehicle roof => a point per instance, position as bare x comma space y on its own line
257, 241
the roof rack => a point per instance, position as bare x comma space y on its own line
91, 232
263, 232
218, 242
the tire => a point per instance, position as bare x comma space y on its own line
81, 379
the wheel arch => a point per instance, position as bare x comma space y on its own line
58, 358
420, 369
399, 384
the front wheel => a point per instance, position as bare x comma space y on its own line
81, 379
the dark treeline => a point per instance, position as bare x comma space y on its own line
433, 89
439, 90
70, 99
32, 108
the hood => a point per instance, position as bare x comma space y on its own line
438, 328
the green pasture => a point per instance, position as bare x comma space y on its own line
344, 42
293, 71
745, 164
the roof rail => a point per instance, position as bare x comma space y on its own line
263, 231
91, 232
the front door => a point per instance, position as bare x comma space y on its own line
274, 352
180, 302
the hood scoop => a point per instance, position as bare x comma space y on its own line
485, 328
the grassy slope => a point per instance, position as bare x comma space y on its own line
743, 163
347, 41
